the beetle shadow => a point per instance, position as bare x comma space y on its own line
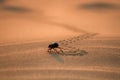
56, 57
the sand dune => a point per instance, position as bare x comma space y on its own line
31, 61
33, 18
87, 31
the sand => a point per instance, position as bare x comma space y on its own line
31, 61
89, 37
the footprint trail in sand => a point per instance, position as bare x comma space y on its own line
69, 45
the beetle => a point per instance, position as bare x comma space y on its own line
53, 46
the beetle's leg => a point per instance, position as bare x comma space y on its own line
49, 50
55, 50
60, 49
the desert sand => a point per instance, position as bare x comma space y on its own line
89, 28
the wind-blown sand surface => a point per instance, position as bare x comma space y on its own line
30, 61
87, 31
